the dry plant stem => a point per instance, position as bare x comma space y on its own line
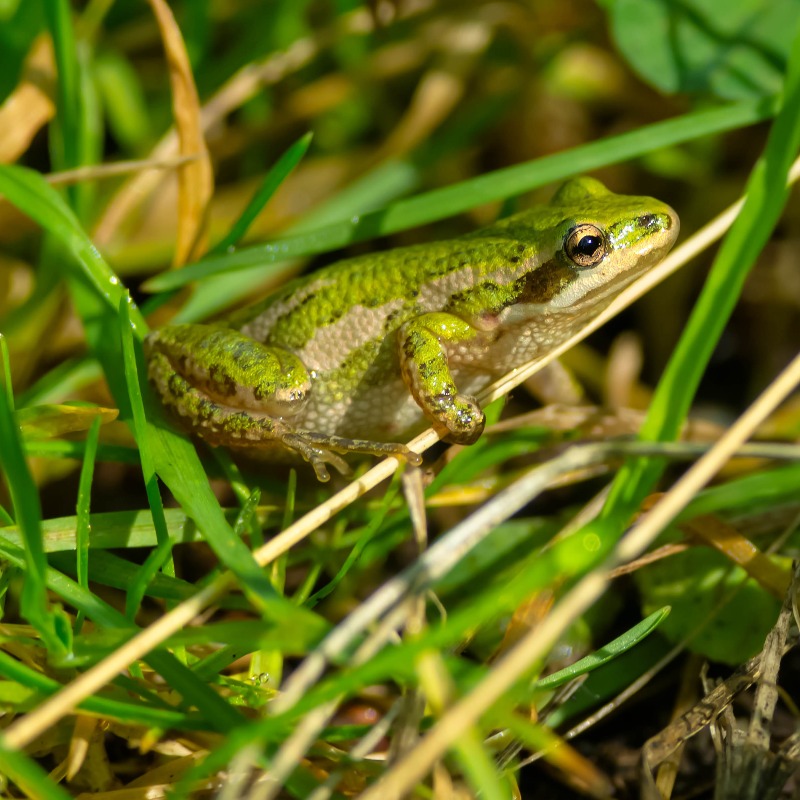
195, 178
416, 764
102, 171
24, 730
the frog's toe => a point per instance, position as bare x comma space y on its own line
394, 449
463, 420
317, 456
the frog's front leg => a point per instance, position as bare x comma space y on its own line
236, 392
423, 359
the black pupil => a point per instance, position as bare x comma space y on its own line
588, 245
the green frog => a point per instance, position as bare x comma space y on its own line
363, 353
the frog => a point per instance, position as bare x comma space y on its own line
361, 354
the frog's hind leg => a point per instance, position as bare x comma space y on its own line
220, 424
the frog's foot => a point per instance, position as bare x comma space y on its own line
319, 449
316, 456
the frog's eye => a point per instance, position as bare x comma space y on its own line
585, 245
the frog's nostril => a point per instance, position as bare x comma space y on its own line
648, 220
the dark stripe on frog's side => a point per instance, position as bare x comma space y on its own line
547, 281
537, 286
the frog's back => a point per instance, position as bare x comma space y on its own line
372, 295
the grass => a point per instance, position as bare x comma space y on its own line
287, 628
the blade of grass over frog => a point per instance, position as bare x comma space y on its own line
273, 179
606, 653
25, 500
28, 775
497, 185
143, 440
82, 525
174, 456
766, 196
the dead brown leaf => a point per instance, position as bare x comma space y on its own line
195, 178
30, 106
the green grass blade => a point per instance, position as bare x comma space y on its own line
497, 185
25, 499
82, 525
608, 652
273, 179
69, 129
148, 463
28, 775
140, 713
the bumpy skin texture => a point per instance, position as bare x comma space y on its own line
372, 349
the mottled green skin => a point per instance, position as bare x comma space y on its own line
379, 346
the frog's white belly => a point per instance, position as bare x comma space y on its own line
385, 413
358, 406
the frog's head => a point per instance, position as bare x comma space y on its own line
595, 243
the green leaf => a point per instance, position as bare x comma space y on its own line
733, 49
27, 510
703, 588
608, 652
